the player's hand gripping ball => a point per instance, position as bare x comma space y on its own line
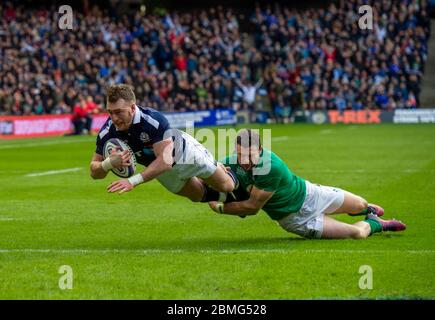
117, 145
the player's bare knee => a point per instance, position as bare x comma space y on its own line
362, 204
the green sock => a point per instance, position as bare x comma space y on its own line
375, 225
364, 211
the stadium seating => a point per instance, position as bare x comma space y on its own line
310, 59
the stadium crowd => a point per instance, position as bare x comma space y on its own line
311, 59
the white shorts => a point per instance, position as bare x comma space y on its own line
308, 221
195, 161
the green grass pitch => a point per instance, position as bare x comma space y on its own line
150, 244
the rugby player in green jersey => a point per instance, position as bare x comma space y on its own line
298, 205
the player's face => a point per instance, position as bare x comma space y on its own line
121, 112
247, 158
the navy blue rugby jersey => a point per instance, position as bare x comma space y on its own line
148, 127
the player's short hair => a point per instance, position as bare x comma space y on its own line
120, 91
248, 138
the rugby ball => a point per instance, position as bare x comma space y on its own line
119, 146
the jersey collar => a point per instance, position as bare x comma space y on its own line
136, 118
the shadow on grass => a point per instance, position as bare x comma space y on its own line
290, 243
192, 243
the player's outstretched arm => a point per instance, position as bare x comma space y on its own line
256, 201
162, 163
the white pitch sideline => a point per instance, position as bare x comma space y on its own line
47, 173
280, 138
222, 251
65, 140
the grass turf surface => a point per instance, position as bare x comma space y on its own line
150, 244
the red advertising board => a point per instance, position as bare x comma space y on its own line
12, 127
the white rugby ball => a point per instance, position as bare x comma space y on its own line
119, 146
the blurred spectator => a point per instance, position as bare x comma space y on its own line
248, 91
90, 108
79, 117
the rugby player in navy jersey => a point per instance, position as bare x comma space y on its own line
171, 156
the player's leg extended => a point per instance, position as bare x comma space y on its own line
193, 190
312, 220
352, 204
334, 229
221, 180
356, 205
201, 163
197, 191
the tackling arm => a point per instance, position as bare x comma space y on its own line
256, 201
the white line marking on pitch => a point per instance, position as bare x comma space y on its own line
295, 138
224, 251
282, 138
44, 143
326, 131
47, 173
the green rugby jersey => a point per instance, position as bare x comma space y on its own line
289, 189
